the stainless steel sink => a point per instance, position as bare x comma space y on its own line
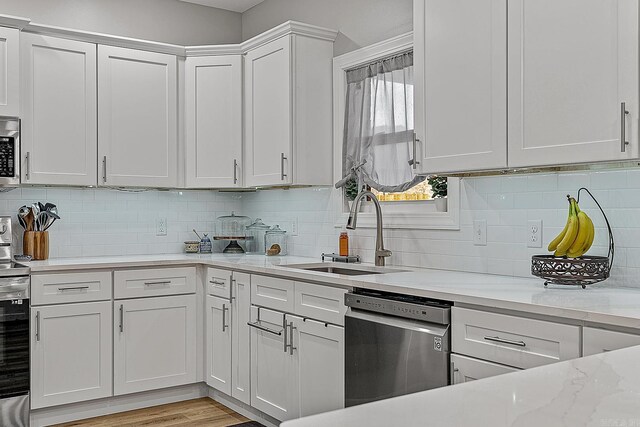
344, 269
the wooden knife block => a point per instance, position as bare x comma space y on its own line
36, 244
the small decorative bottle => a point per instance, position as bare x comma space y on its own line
344, 243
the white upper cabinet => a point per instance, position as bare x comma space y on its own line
288, 109
9, 72
460, 56
59, 111
137, 118
572, 63
213, 121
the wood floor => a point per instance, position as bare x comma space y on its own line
199, 412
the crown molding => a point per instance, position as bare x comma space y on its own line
105, 39
286, 28
214, 50
14, 21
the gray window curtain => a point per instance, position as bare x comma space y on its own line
378, 125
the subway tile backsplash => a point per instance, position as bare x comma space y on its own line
98, 222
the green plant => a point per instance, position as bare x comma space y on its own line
438, 186
351, 189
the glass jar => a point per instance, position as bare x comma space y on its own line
232, 227
275, 241
255, 236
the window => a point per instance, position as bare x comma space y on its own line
373, 94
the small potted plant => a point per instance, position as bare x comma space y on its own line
439, 191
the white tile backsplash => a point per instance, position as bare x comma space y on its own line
98, 222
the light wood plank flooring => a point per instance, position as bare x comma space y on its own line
203, 412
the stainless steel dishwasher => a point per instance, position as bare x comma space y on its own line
394, 345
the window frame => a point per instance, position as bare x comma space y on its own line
401, 215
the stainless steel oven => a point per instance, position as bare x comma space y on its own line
394, 345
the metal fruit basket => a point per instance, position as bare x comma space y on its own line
582, 271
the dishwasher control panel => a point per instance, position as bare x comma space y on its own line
400, 305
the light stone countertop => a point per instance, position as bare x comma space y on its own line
596, 304
599, 391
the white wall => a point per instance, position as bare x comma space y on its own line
168, 21
505, 202
109, 222
360, 22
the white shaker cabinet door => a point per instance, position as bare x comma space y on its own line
218, 332
319, 348
154, 343
460, 93
241, 350
137, 118
214, 121
274, 369
59, 111
572, 65
71, 353
9, 72
268, 114
465, 369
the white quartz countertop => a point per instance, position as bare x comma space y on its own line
601, 390
596, 304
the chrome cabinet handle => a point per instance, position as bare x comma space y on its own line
104, 169
623, 126
121, 318
282, 159
506, 341
284, 326
217, 282
415, 161
73, 288
162, 282
224, 317
257, 325
232, 281
235, 171
291, 347
37, 326
27, 172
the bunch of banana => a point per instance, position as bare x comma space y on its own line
578, 234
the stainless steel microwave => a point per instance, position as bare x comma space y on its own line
9, 152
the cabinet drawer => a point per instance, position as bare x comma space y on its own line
510, 340
219, 282
320, 302
70, 287
465, 369
596, 341
272, 293
154, 282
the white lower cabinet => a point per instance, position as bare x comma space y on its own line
596, 341
219, 343
71, 353
154, 343
227, 341
297, 365
320, 351
465, 369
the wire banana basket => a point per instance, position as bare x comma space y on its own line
582, 271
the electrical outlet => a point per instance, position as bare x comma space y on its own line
294, 227
480, 232
534, 234
161, 227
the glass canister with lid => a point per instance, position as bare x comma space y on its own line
275, 241
256, 233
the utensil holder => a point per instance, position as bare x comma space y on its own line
41, 251
29, 243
